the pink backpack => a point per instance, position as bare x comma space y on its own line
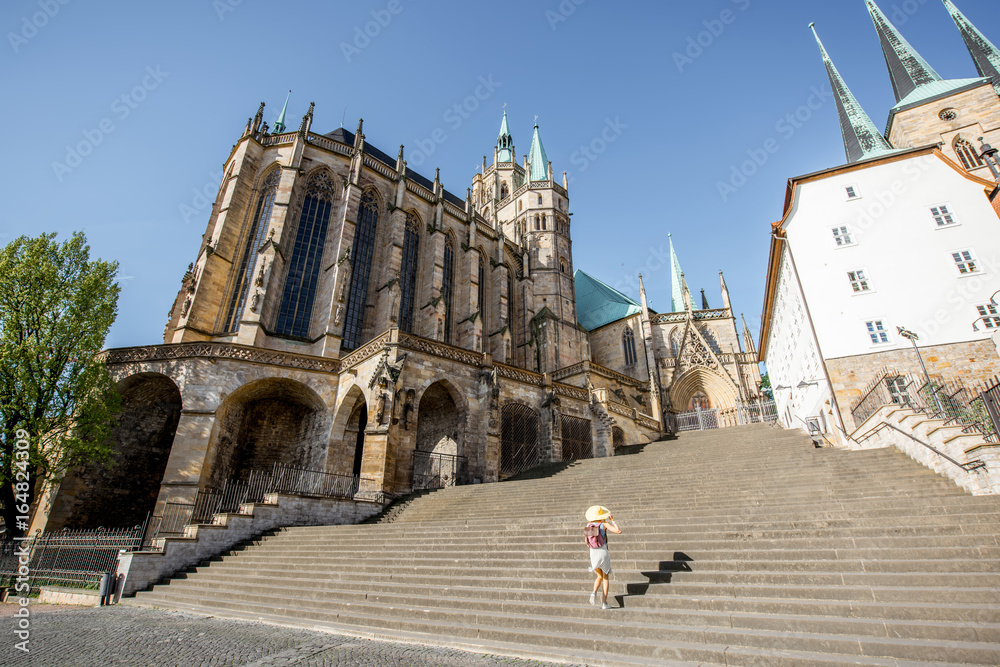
592, 533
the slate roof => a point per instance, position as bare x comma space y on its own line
598, 304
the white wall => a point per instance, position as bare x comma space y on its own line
905, 255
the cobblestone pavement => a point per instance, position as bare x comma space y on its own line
85, 636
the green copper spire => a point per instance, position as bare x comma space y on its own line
984, 53
537, 162
861, 138
677, 283
279, 125
505, 143
907, 69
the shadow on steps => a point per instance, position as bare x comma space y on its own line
680, 562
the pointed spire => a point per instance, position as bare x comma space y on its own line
307, 120
400, 162
861, 138
984, 53
748, 343
677, 284
279, 125
906, 68
704, 300
505, 143
538, 164
725, 292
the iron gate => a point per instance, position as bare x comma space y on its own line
698, 420
576, 440
518, 439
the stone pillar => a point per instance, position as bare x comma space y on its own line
188, 457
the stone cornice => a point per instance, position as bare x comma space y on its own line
210, 350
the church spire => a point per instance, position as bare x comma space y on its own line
907, 69
677, 283
984, 53
538, 164
279, 125
861, 138
505, 143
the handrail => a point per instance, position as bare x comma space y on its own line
975, 464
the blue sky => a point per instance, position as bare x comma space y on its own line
120, 114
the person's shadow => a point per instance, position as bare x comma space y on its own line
681, 562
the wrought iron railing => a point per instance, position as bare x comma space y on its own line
751, 412
887, 388
74, 558
433, 470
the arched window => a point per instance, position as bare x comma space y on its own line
481, 293
967, 154
448, 284
562, 265
712, 341
511, 310
543, 221
628, 343
504, 190
306, 256
539, 200
408, 272
361, 264
538, 223
675, 342
255, 234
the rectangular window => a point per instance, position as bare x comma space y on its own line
965, 261
852, 192
842, 235
943, 215
989, 315
877, 332
859, 281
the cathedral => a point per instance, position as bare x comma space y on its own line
349, 315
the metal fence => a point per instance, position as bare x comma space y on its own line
285, 479
752, 412
74, 558
433, 470
698, 420
953, 401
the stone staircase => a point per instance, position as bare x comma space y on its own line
743, 546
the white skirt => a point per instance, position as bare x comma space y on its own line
600, 559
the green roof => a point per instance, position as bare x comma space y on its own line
538, 163
598, 304
929, 92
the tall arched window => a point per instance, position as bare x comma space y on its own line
675, 341
504, 190
628, 343
543, 221
361, 264
306, 256
539, 200
448, 284
253, 238
967, 154
511, 310
712, 341
538, 223
408, 272
481, 293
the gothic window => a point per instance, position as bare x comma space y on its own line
942, 215
628, 343
504, 191
538, 223
965, 262
448, 284
408, 272
481, 291
562, 265
539, 200
675, 342
255, 235
306, 256
712, 341
361, 262
543, 222
967, 154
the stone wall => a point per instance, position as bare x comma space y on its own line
970, 362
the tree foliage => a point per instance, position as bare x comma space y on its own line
56, 307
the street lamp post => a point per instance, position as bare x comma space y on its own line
913, 338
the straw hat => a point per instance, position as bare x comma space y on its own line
597, 513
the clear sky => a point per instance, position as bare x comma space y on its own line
120, 114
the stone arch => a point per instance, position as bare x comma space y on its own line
617, 437
123, 491
721, 392
441, 414
263, 422
347, 444
519, 438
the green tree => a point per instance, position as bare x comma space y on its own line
56, 307
765, 387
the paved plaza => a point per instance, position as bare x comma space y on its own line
63, 636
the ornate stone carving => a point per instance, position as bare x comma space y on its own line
152, 353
